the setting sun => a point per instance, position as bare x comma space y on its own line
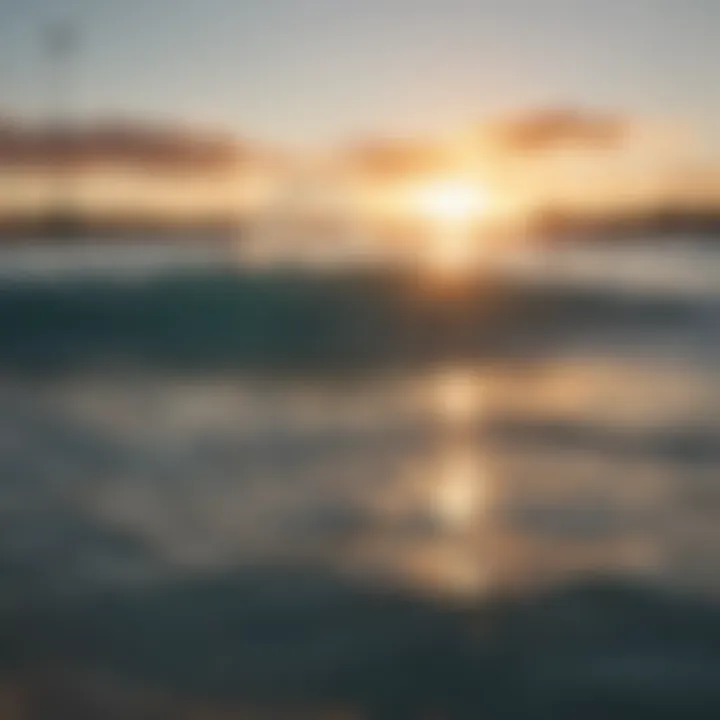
454, 207
452, 202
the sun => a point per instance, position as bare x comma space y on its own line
454, 209
452, 202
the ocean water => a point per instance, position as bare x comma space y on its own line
234, 496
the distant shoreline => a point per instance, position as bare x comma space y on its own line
547, 226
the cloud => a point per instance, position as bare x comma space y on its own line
393, 159
541, 131
115, 143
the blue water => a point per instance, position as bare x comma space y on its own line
518, 518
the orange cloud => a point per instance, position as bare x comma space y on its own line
542, 131
395, 160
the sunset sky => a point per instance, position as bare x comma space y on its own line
590, 104
313, 71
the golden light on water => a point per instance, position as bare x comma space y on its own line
460, 481
460, 488
458, 396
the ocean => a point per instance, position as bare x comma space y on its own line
355, 494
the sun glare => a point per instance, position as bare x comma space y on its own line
452, 202
454, 209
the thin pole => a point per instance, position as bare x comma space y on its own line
61, 50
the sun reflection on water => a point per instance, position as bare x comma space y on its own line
459, 485
458, 397
459, 488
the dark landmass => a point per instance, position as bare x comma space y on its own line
549, 226
663, 221
63, 226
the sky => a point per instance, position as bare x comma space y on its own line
318, 71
